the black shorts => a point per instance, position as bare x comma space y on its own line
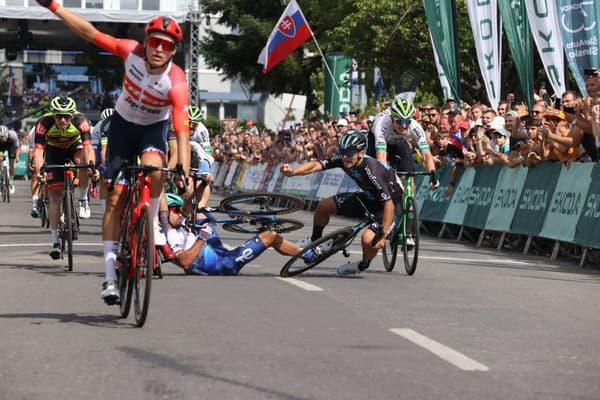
59, 155
10, 147
348, 205
400, 155
128, 141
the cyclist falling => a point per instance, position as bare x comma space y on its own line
382, 195
9, 141
61, 136
153, 89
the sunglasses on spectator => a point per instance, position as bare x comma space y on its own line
347, 153
536, 112
432, 115
166, 45
402, 121
63, 116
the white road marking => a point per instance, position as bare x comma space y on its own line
48, 244
301, 284
475, 260
445, 353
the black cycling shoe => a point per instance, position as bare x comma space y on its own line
55, 253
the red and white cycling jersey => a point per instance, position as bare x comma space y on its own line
147, 98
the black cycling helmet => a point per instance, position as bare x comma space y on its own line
353, 140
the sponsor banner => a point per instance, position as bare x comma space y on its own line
535, 199
239, 174
338, 89
506, 198
314, 186
230, 174
545, 30
457, 208
480, 196
567, 202
579, 28
587, 231
330, 183
484, 23
221, 174
432, 204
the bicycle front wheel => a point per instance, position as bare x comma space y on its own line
5, 185
262, 203
43, 208
68, 227
123, 270
410, 248
144, 264
317, 252
390, 251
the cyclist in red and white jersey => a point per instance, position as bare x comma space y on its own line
393, 129
154, 88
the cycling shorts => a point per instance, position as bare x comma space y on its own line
216, 259
59, 155
348, 205
10, 147
128, 141
400, 155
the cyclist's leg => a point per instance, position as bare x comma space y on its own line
79, 158
282, 246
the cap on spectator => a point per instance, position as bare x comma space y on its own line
342, 122
556, 114
454, 111
511, 113
531, 121
497, 123
371, 118
250, 122
450, 100
500, 132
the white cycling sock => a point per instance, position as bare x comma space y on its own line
55, 237
83, 193
110, 259
103, 204
155, 201
34, 201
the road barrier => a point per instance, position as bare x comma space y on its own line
551, 201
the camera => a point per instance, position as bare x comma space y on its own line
590, 71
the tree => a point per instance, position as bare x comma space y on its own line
391, 34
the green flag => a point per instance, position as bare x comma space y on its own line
441, 25
516, 27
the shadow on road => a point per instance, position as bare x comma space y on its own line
96, 320
162, 361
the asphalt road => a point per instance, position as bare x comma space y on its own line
470, 324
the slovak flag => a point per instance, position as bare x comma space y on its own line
290, 32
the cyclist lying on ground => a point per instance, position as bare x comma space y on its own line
382, 192
203, 253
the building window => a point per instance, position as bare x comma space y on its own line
231, 110
150, 4
72, 3
129, 4
94, 4
19, 3
212, 109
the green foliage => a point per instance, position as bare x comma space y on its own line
213, 124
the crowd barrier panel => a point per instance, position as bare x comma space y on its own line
552, 200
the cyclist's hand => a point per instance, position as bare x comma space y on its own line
433, 180
378, 240
204, 232
287, 170
94, 174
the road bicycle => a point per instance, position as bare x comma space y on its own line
251, 213
406, 229
42, 205
136, 255
68, 226
323, 248
5, 180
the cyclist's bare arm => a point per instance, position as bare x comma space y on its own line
304, 169
186, 257
388, 216
76, 23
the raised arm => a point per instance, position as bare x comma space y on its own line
76, 23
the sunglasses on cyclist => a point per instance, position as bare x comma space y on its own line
166, 45
63, 116
402, 121
347, 153
176, 209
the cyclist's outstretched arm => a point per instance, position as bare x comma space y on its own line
304, 169
76, 23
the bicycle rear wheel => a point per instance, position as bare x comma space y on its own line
262, 203
390, 250
321, 250
43, 207
411, 252
144, 264
279, 225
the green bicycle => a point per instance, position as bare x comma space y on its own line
406, 233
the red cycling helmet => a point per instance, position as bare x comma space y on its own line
165, 25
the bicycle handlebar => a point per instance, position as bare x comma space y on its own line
145, 169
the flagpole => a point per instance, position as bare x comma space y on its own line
323, 57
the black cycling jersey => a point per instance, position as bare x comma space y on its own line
378, 181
